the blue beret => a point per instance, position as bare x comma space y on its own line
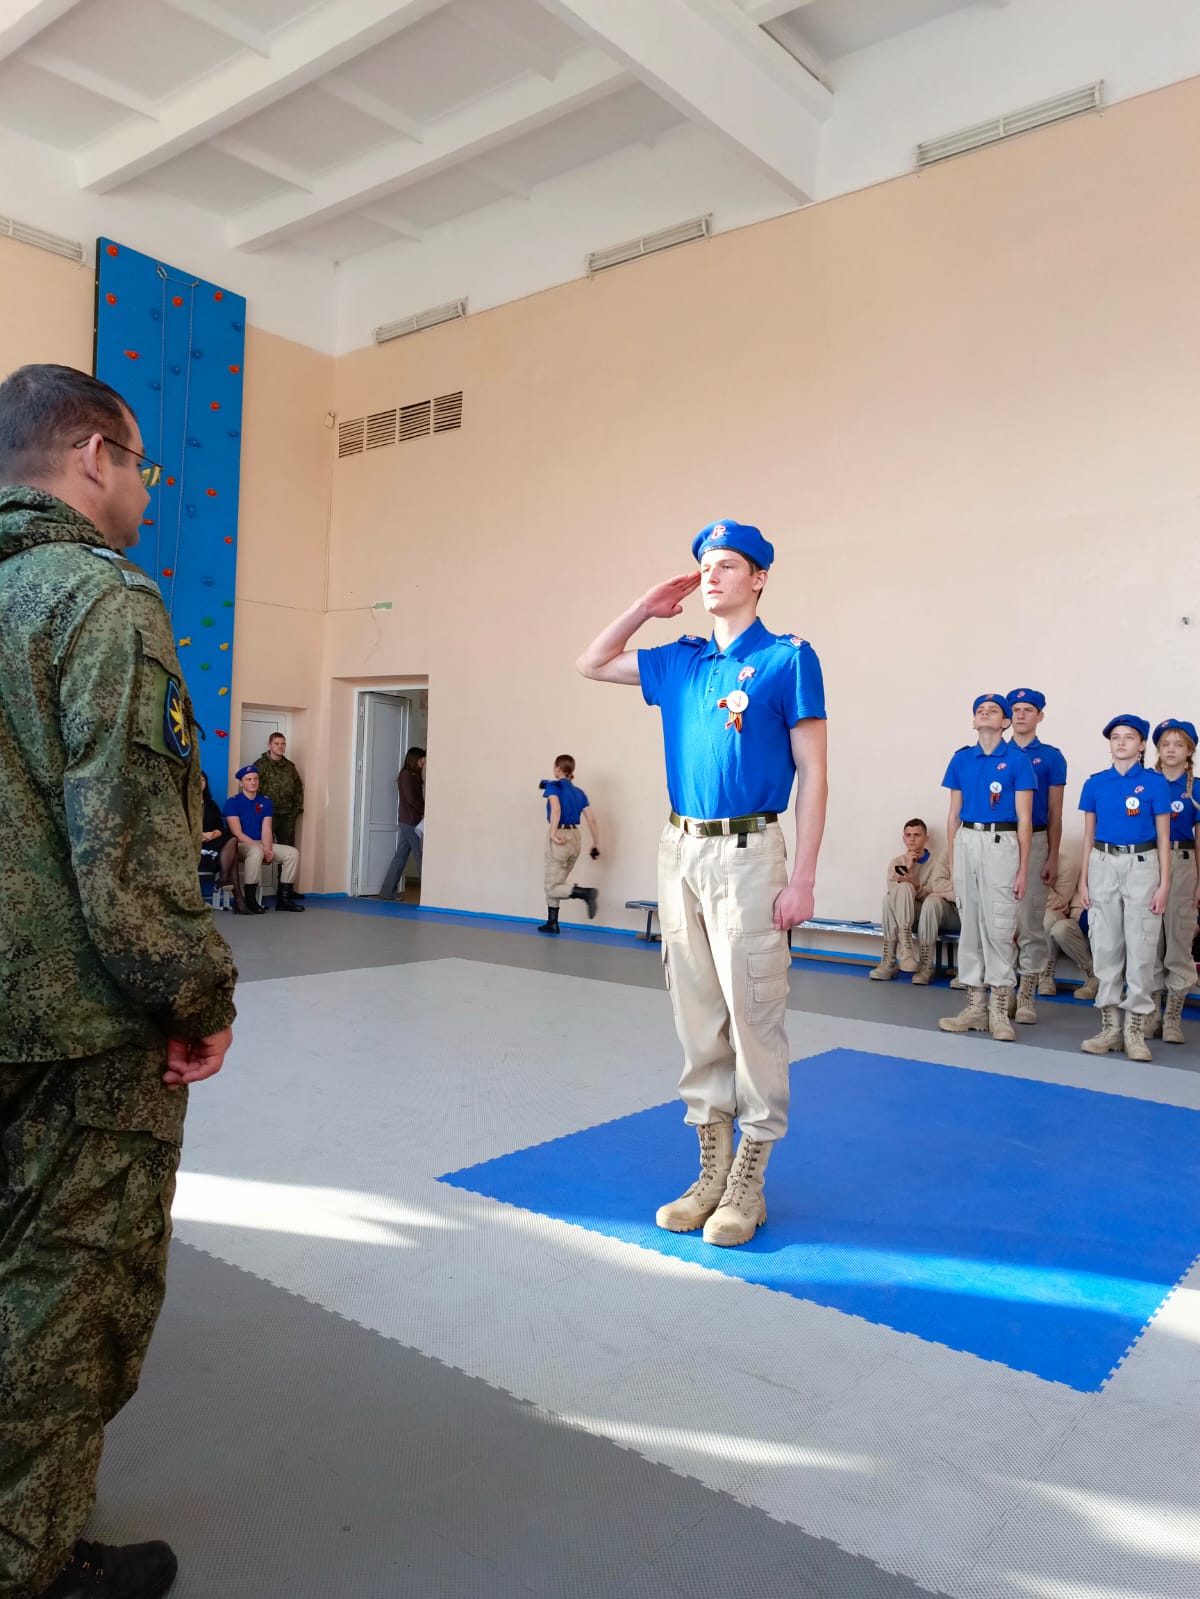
1138, 723
1027, 696
244, 770
1181, 727
727, 535
996, 699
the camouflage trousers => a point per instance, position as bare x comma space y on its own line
283, 827
88, 1154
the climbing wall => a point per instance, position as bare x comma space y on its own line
173, 346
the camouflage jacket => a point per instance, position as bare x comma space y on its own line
280, 782
104, 938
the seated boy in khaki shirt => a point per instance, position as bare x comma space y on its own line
919, 896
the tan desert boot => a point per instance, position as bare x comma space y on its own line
1172, 1027
1109, 1037
972, 1018
886, 970
999, 1024
1026, 1001
743, 1209
692, 1210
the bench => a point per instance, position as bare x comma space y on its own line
822, 924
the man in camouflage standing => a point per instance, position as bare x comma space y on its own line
115, 991
281, 783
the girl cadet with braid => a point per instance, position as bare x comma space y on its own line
1175, 968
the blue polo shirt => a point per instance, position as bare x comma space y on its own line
250, 812
989, 784
572, 801
1050, 768
721, 761
1185, 813
1125, 805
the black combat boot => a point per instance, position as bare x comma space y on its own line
550, 925
104, 1571
285, 899
588, 894
254, 906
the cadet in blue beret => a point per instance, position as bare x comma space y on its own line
988, 833
1174, 968
743, 716
1124, 882
1028, 709
250, 818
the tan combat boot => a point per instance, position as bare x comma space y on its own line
924, 971
1135, 1037
972, 1018
886, 970
1026, 1001
1047, 987
999, 1025
957, 982
743, 1209
692, 1210
1152, 1024
1172, 1026
908, 961
1109, 1037
1090, 988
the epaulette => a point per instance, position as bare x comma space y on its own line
690, 638
793, 639
131, 575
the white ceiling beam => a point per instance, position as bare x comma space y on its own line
221, 20
262, 162
319, 42
82, 77
764, 11
481, 16
491, 173
714, 64
371, 105
402, 230
467, 135
23, 20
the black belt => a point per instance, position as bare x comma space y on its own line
568, 827
1040, 829
757, 823
1185, 844
991, 827
1126, 849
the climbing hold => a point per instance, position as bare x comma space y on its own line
235, 433
111, 298
219, 295
236, 326
156, 315
177, 299
176, 370
196, 354
155, 386
208, 580
221, 691
224, 646
235, 369
212, 493
195, 444
182, 642
204, 667
112, 250
228, 604
133, 355
168, 571
215, 406
220, 732
228, 540
190, 509
206, 621
147, 521
170, 482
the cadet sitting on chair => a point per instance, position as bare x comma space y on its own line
250, 822
919, 897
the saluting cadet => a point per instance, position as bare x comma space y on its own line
1049, 765
743, 716
566, 808
988, 833
1123, 883
1175, 969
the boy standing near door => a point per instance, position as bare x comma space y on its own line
566, 809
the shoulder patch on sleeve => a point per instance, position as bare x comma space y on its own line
690, 638
795, 640
131, 575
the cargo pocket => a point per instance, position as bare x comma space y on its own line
670, 886
1004, 916
767, 985
755, 876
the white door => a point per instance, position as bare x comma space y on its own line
257, 727
382, 739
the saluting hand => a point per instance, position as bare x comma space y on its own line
666, 599
192, 1060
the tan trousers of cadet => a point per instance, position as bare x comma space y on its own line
727, 969
1123, 931
985, 869
560, 863
900, 910
1033, 947
1174, 968
1066, 933
251, 853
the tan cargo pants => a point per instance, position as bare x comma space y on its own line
560, 863
251, 852
900, 910
1033, 946
727, 970
1124, 932
985, 869
1070, 938
1174, 967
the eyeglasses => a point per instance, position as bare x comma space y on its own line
149, 471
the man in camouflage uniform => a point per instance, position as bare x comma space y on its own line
280, 782
115, 990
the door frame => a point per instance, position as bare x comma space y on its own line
410, 686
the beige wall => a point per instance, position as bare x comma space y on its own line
963, 405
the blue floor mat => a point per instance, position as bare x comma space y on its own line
1023, 1222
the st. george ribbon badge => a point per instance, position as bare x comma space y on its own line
735, 704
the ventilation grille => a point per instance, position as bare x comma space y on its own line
649, 243
442, 414
381, 429
350, 437
25, 234
414, 420
447, 412
432, 318
1040, 115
